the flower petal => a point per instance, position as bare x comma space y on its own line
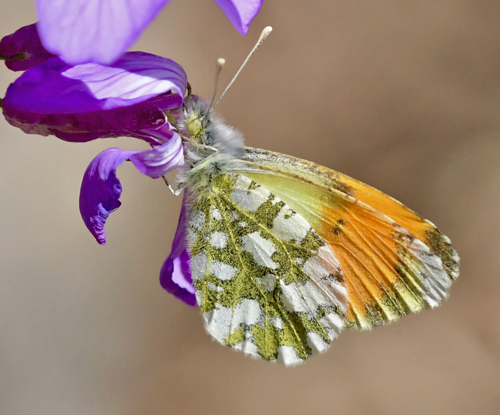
56, 87
160, 160
99, 31
101, 189
144, 120
88, 101
240, 12
175, 275
23, 49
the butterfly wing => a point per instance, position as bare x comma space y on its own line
266, 283
394, 262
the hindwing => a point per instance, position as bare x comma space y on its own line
265, 281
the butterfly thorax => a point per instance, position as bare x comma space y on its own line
209, 144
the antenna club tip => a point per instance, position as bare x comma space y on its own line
265, 33
221, 62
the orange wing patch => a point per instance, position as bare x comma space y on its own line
411, 221
387, 273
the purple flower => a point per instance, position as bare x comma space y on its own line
100, 31
130, 98
89, 101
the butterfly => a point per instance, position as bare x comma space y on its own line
285, 253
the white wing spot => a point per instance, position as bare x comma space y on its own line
197, 220
198, 266
214, 287
288, 356
288, 225
333, 323
218, 240
316, 343
276, 322
218, 322
268, 282
322, 264
222, 271
191, 236
247, 312
305, 298
320, 268
248, 200
248, 347
433, 275
216, 214
261, 249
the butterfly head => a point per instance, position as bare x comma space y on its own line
204, 131
196, 120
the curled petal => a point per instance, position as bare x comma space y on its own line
101, 190
160, 160
99, 31
240, 12
175, 275
23, 49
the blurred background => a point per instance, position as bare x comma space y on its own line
404, 96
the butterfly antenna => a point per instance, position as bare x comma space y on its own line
263, 36
219, 64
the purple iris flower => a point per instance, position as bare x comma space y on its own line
81, 31
129, 98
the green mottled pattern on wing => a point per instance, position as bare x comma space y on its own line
266, 283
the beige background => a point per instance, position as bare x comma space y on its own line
402, 95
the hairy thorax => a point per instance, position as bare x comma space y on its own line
209, 144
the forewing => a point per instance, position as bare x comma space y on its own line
266, 283
394, 262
